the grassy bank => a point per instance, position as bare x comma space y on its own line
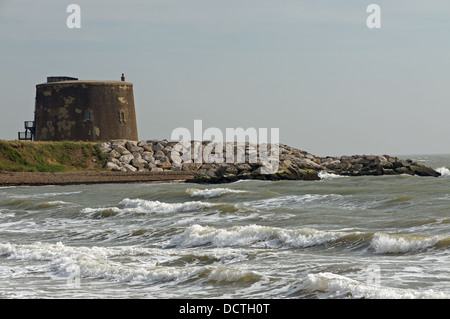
27, 156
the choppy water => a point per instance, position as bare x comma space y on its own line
341, 237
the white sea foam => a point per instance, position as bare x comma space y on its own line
249, 181
327, 175
293, 200
272, 237
95, 262
56, 259
56, 203
141, 205
213, 192
5, 213
443, 170
128, 205
383, 243
43, 195
332, 285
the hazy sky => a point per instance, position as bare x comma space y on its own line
311, 68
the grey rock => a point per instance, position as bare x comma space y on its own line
307, 163
159, 154
126, 159
164, 159
137, 162
113, 154
134, 149
174, 158
148, 148
142, 143
130, 144
113, 160
112, 166
231, 170
149, 158
333, 165
121, 150
211, 172
130, 168
157, 147
176, 167
243, 167
115, 143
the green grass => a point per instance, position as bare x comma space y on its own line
26, 156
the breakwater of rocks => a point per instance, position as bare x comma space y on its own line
294, 164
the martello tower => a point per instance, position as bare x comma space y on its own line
78, 110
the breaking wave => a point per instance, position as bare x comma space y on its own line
128, 205
279, 238
327, 175
98, 262
296, 201
54, 203
214, 192
43, 195
6, 213
223, 274
270, 237
142, 205
400, 243
444, 171
330, 285
95, 262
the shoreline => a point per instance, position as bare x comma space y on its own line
159, 161
90, 177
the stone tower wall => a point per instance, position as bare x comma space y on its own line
85, 111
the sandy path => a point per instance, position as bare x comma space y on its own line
34, 179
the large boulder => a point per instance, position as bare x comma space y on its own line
157, 147
422, 170
126, 159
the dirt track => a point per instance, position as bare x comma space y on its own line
36, 179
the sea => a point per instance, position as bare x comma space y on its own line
373, 237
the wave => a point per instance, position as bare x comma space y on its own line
279, 238
5, 213
141, 205
443, 170
327, 175
214, 192
345, 201
401, 243
269, 237
221, 274
43, 195
100, 262
33, 203
95, 262
101, 212
128, 205
54, 203
329, 285
296, 201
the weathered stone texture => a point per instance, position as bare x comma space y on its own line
294, 164
85, 111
